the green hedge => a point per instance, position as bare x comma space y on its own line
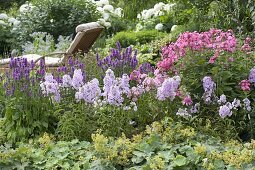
136, 38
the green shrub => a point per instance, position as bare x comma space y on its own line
133, 38
58, 17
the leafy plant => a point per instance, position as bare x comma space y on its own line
133, 38
55, 17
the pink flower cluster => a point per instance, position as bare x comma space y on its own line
245, 85
247, 45
214, 39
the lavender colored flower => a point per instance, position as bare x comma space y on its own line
247, 104
208, 84
50, 87
66, 81
109, 80
223, 99
77, 80
168, 88
209, 87
236, 103
252, 75
225, 111
124, 84
114, 96
89, 92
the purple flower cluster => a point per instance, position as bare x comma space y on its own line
19, 78
223, 99
51, 87
77, 80
114, 88
247, 104
252, 75
168, 88
225, 110
209, 87
146, 68
89, 92
122, 62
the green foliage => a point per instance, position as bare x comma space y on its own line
27, 118
134, 38
7, 4
56, 17
164, 145
133, 7
76, 121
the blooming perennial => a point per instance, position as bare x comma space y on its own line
215, 40
209, 87
245, 85
225, 110
50, 87
77, 80
168, 88
89, 92
252, 75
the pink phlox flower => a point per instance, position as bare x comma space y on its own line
187, 101
245, 85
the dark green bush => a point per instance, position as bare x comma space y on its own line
58, 17
134, 38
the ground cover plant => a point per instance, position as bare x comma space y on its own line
169, 86
164, 145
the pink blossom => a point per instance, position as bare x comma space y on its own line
187, 101
135, 75
166, 64
245, 85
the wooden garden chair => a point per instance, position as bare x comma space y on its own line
84, 39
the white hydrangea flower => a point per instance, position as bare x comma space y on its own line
174, 27
108, 8
159, 6
168, 7
12, 20
159, 27
105, 2
149, 14
26, 8
107, 24
101, 21
3, 16
106, 16
118, 12
100, 9
101, 3
16, 23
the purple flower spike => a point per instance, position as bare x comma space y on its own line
118, 45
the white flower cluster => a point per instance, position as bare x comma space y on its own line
8, 21
159, 9
107, 11
27, 7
